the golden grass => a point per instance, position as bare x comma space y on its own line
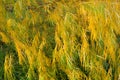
63, 40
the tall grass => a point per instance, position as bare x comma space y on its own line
60, 40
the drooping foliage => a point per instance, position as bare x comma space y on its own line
59, 40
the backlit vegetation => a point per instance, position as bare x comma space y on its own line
59, 40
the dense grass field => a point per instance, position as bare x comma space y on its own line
59, 40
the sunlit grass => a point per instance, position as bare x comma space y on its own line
60, 40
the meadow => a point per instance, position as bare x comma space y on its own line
59, 40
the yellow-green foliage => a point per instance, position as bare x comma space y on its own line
61, 39
9, 68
